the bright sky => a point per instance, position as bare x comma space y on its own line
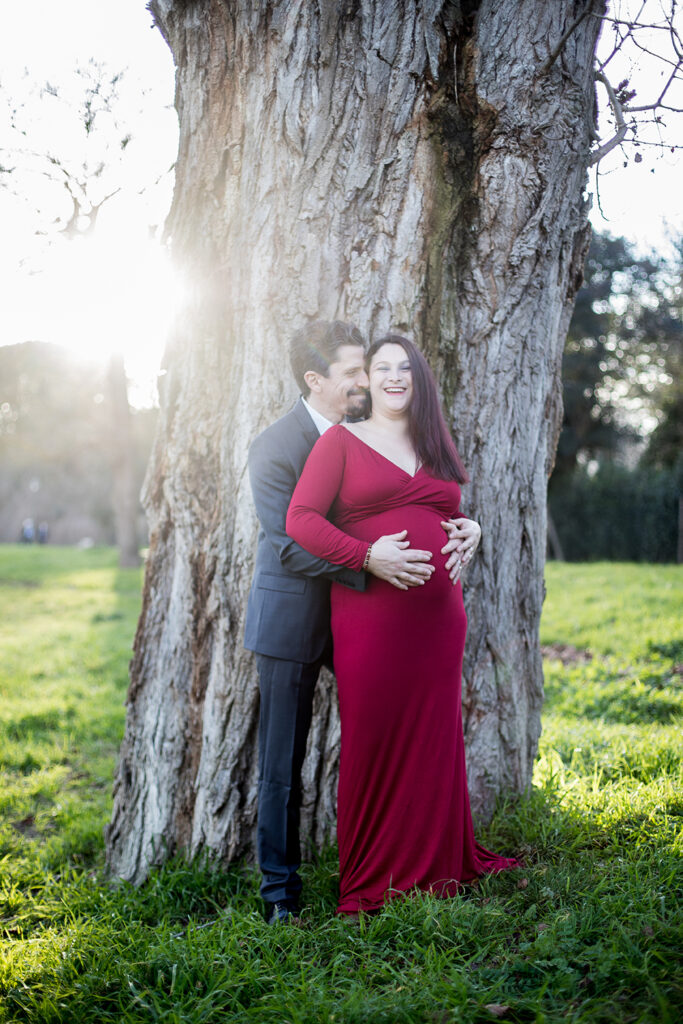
114, 289
644, 200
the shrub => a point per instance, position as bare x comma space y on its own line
618, 514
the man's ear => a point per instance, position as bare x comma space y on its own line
312, 380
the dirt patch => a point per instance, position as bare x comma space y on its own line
566, 653
26, 825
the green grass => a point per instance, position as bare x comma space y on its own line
588, 931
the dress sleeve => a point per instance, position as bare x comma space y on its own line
313, 497
273, 478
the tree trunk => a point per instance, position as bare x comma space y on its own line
125, 498
405, 165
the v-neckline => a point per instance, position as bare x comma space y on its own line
411, 476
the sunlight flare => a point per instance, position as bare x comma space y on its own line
110, 292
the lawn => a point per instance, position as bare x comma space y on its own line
588, 931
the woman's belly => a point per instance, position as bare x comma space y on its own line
423, 524
425, 533
422, 628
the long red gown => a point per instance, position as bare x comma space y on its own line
404, 817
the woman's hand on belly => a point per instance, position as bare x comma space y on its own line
392, 559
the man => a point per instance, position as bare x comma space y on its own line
288, 613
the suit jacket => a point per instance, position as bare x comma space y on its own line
288, 612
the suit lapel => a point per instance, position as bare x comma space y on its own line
308, 427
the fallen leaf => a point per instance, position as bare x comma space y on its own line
541, 927
497, 1009
522, 883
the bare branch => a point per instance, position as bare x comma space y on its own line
654, 106
658, 101
70, 229
622, 128
676, 41
660, 145
637, 32
93, 214
635, 24
87, 178
658, 56
618, 45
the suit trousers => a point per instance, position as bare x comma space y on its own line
286, 689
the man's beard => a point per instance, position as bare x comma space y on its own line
358, 407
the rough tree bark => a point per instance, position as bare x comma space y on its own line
398, 164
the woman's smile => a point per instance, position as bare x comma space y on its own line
391, 377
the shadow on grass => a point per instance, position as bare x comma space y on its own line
556, 825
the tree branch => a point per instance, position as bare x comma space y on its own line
620, 135
658, 101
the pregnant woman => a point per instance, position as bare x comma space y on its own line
404, 817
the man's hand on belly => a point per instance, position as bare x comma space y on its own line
463, 540
392, 559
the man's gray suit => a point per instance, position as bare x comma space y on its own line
288, 626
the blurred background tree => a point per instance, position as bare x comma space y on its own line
58, 446
67, 164
65, 167
616, 483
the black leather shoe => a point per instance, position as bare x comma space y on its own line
281, 912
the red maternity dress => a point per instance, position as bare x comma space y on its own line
404, 815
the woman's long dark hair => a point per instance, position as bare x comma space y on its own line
426, 424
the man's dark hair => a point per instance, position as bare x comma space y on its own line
314, 347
